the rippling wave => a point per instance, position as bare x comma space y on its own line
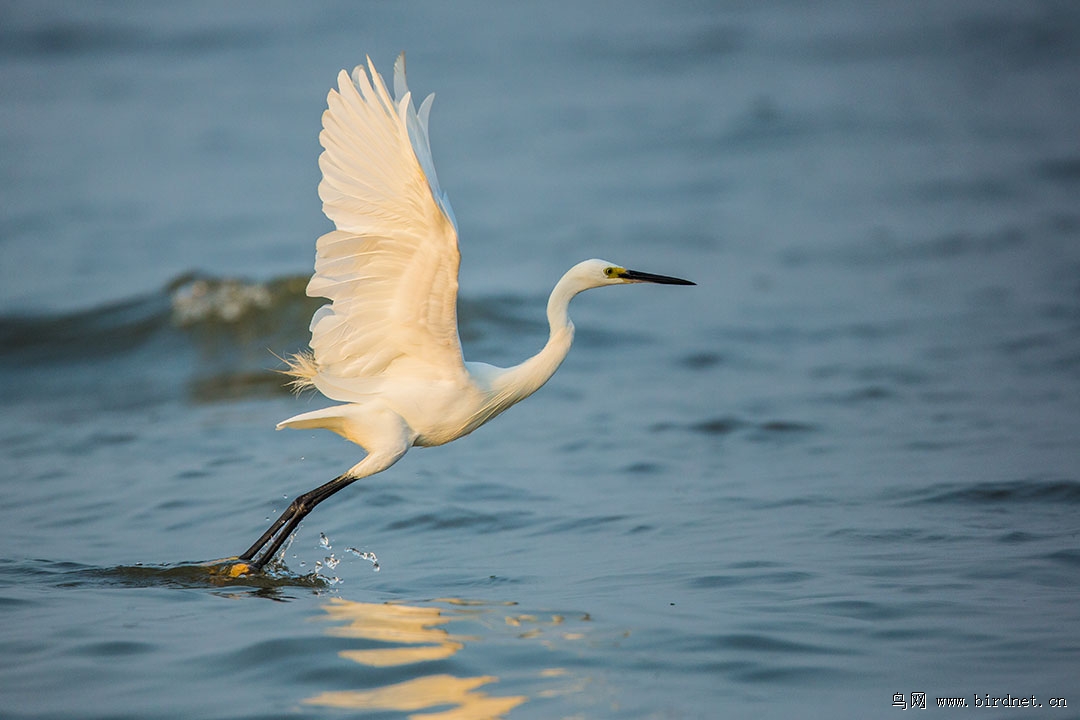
1006, 493
226, 334
201, 575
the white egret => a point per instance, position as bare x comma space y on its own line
387, 345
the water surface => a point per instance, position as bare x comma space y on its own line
841, 467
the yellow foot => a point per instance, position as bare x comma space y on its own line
229, 567
238, 569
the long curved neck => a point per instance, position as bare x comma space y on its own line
521, 381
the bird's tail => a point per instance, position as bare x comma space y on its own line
302, 369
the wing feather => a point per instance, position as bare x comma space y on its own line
390, 268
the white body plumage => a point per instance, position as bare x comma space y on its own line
387, 345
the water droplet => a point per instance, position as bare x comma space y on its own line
364, 555
318, 565
324, 542
331, 562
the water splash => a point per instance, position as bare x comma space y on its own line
280, 558
224, 300
363, 555
331, 561
329, 564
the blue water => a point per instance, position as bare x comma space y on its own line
844, 466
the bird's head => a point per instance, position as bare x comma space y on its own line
597, 273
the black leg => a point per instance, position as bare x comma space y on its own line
275, 536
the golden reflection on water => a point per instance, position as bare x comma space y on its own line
410, 635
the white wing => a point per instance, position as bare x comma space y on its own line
391, 267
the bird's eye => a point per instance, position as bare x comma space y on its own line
609, 271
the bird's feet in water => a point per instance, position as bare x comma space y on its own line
230, 568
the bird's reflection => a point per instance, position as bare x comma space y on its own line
404, 635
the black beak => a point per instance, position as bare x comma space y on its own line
636, 276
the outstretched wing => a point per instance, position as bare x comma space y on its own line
390, 268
